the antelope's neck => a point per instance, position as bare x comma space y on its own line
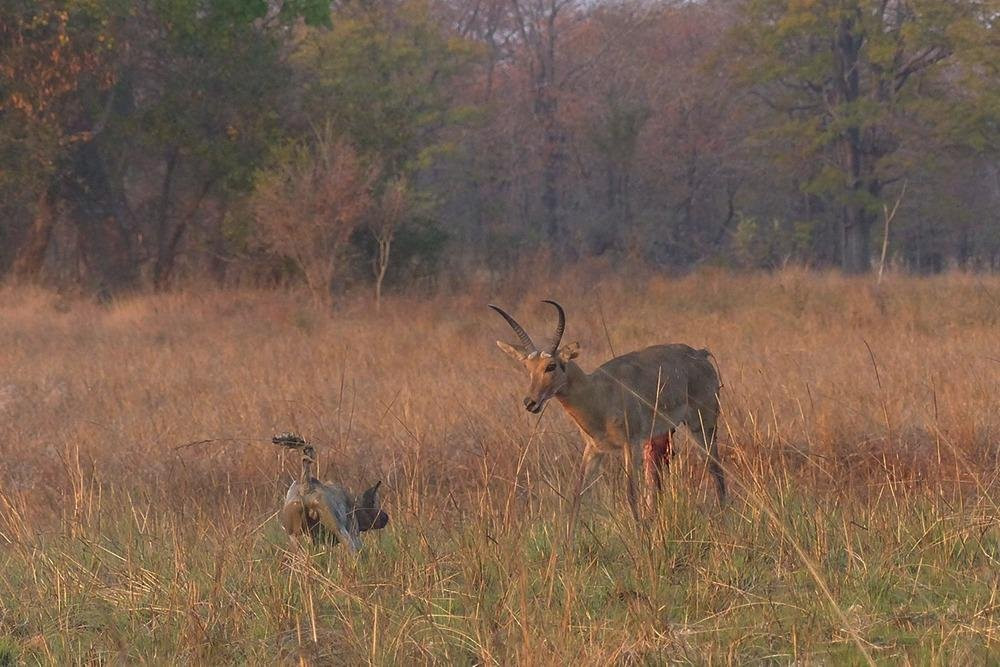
575, 396
307, 473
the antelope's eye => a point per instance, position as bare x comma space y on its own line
551, 367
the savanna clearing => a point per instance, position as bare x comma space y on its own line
860, 433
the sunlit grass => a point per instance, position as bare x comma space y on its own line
122, 541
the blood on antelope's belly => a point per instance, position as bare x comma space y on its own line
659, 446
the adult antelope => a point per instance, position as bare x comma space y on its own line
631, 404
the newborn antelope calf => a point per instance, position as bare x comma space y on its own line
324, 511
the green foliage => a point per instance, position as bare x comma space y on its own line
859, 80
219, 83
136, 128
8, 653
53, 57
759, 244
200, 75
382, 75
314, 12
134, 113
417, 250
616, 132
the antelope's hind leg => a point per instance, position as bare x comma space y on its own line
715, 464
656, 453
704, 430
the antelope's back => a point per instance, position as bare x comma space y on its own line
676, 372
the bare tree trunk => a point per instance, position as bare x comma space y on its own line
857, 241
219, 259
858, 219
538, 26
552, 170
96, 209
384, 241
169, 238
164, 238
889, 215
31, 256
166, 258
857, 222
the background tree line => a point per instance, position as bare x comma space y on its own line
261, 141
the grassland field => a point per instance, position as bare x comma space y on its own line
860, 432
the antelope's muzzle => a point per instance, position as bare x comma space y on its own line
533, 406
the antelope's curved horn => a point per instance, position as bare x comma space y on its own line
560, 327
518, 329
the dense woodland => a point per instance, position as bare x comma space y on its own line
153, 143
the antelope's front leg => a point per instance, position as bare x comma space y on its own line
588, 466
656, 453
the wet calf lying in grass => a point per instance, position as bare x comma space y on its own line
323, 511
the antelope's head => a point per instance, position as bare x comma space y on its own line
547, 367
367, 511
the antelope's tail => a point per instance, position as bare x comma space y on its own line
715, 362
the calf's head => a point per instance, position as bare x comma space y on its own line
367, 511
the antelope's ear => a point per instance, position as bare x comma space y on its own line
569, 351
369, 499
514, 353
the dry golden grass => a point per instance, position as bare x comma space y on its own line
861, 431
